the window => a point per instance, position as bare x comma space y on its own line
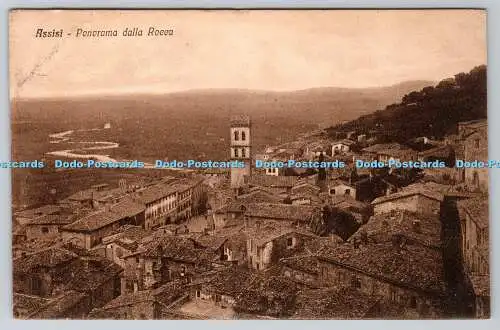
45, 230
347, 192
243, 136
476, 143
198, 293
332, 191
235, 152
258, 266
36, 285
236, 135
243, 152
413, 302
355, 283
475, 179
289, 242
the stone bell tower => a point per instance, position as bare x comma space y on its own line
240, 149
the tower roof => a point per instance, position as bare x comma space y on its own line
240, 121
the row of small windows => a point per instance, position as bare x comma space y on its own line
237, 136
236, 152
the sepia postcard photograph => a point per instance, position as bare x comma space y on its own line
249, 164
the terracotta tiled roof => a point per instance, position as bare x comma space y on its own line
410, 191
269, 233
477, 208
174, 247
165, 293
129, 237
52, 219
277, 293
39, 211
302, 213
422, 229
24, 305
154, 193
271, 181
329, 303
386, 148
212, 241
344, 141
90, 272
439, 151
229, 281
259, 196
306, 263
50, 258
348, 203
124, 209
409, 265
58, 307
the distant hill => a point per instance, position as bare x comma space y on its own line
329, 104
192, 123
430, 111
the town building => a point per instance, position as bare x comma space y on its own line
474, 225
213, 294
276, 184
163, 258
142, 305
161, 204
390, 151
47, 226
400, 272
414, 198
30, 215
341, 147
341, 188
123, 243
359, 210
333, 304
70, 304
89, 230
280, 215
474, 143
267, 244
184, 201
54, 271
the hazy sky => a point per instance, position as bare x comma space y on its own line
269, 50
